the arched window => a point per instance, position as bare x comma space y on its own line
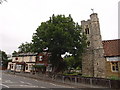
87, 30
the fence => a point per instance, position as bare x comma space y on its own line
90, 81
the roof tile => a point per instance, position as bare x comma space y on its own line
111, 47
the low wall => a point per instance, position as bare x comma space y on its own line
90, 81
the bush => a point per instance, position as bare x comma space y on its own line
39, 66
72, 73
114, 78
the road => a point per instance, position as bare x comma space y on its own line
14, 81
8, 81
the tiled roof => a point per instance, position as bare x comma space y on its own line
111, 47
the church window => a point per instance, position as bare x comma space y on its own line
97, 63
87, 30
88, 43
114, 66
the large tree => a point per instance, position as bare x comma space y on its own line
59, 35
25, 48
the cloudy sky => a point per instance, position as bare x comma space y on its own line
20, 18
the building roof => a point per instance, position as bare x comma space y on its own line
111, 47
25, 54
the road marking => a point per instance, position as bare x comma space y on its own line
4, 85
60, 85
42, 87
27, 86
8, 81
23, 86
22, 82
53, 84
36, 80
25, 82
0, 79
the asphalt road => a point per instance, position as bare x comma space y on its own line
14, 81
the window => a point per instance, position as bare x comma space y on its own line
30, 67
11, 66
18, 67
88, 43
114, 66
26, 67
16, 58
30, 58
40, 58
87, 29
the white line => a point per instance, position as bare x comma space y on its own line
25, 82
36, 80
22, 82
8, 81
23, 86
28, 86
42, 87
4, 85
60, 85
53, 84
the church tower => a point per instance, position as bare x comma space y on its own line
93, 63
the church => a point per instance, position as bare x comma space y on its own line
101, 58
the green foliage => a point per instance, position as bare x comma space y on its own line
25, 47
4, 58
70, 61
39, 66
114, 78
72, 73
59, 35
73, 63
14, 53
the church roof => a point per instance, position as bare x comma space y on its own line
111, 47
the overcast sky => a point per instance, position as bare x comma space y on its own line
20, 18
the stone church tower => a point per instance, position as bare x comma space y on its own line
93, 63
